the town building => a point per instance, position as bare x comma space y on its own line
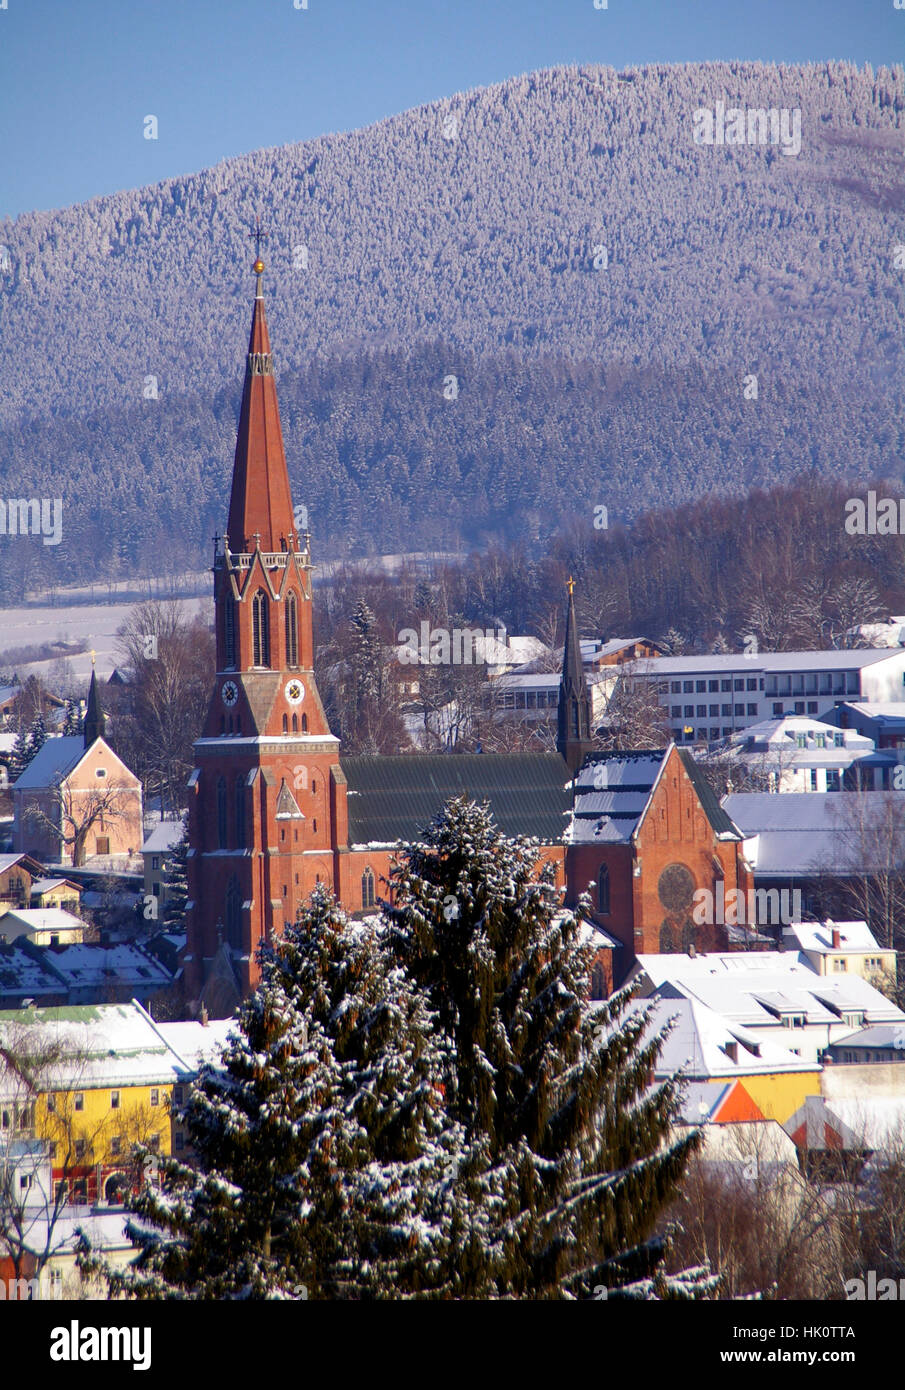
155, 852
842, 948
709, 698
797, 754
77, 800
45, 926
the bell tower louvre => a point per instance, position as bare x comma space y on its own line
267, 807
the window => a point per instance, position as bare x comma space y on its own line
155, 861
116, 1144
714, 735
285, 723
725, 685
178, 1095
221, 813
260, 627
726, 711
839, 739
79, 1100
304, 723
675, 712
752, 709
689, 711
799, 706
700, 687
840, 964
114, 1100
740, 710
702, 712
229, 632
80, 1148
751, 683
714, 711
713, 686
24, 1181
777, 707
687, 687
292, 631
367, 888
833, 779
675, 687
51, 1105
240, 811
295, 723
179, 1141
155, 1095
233, 914
738, 684
603, 889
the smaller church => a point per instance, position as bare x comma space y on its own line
77, 800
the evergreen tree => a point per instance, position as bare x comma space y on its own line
555, 1098
323, 1157
72, 723
37, 735
177, 884
19, 758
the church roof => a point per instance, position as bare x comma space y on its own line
396, 798
260, 502
53, 761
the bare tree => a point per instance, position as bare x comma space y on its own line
71, 813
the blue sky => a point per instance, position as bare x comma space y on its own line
78, 77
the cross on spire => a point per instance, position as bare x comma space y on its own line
259, 235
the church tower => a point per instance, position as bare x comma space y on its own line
266, 796
573, 735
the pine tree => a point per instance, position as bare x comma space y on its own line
321, 1143
177, 885
19, 758
572, 1162
72, 723
37, 735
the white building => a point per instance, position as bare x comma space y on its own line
800, 754
776, 995
708, 698
841, 948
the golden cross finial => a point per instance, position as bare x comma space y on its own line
92, 659
571, 586
259, 235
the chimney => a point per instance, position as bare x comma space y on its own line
692, 951
203, 1016
732, 1051
837, 939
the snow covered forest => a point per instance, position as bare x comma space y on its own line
490, 315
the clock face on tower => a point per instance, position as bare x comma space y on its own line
294, 692
229, 693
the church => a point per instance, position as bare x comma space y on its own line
274, 807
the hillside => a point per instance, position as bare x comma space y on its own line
459, 240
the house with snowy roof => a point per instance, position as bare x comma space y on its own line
841, 948
76, 800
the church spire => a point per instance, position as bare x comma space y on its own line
573, 738
260, 507
94, 715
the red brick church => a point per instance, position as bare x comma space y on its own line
274, 809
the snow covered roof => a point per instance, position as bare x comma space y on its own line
854, 937
163, 837
764, 988
613, 790
54, 760
766, 661
703, 1044
48, 885
799, 832
41, 919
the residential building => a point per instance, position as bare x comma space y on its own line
842, 948
797, 754
45, 926
776, 995
155, 853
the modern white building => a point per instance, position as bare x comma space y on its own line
798, 754
708, 698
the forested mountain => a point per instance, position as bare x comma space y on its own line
490, 315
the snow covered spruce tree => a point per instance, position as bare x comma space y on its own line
322, 1153
176, 880
571, 1163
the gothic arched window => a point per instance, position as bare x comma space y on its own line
240, 812
367, 888
233, 914
304, 723
229, 632
603, 889
295, 723
292, 630
260, 629
221, 813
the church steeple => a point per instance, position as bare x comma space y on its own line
573, 738
94, 716
260, 507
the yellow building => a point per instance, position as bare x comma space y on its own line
92, 1081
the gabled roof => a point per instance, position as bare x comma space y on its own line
54, 760
613, 791
163, 837
395, 798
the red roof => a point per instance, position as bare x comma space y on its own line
261, 501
